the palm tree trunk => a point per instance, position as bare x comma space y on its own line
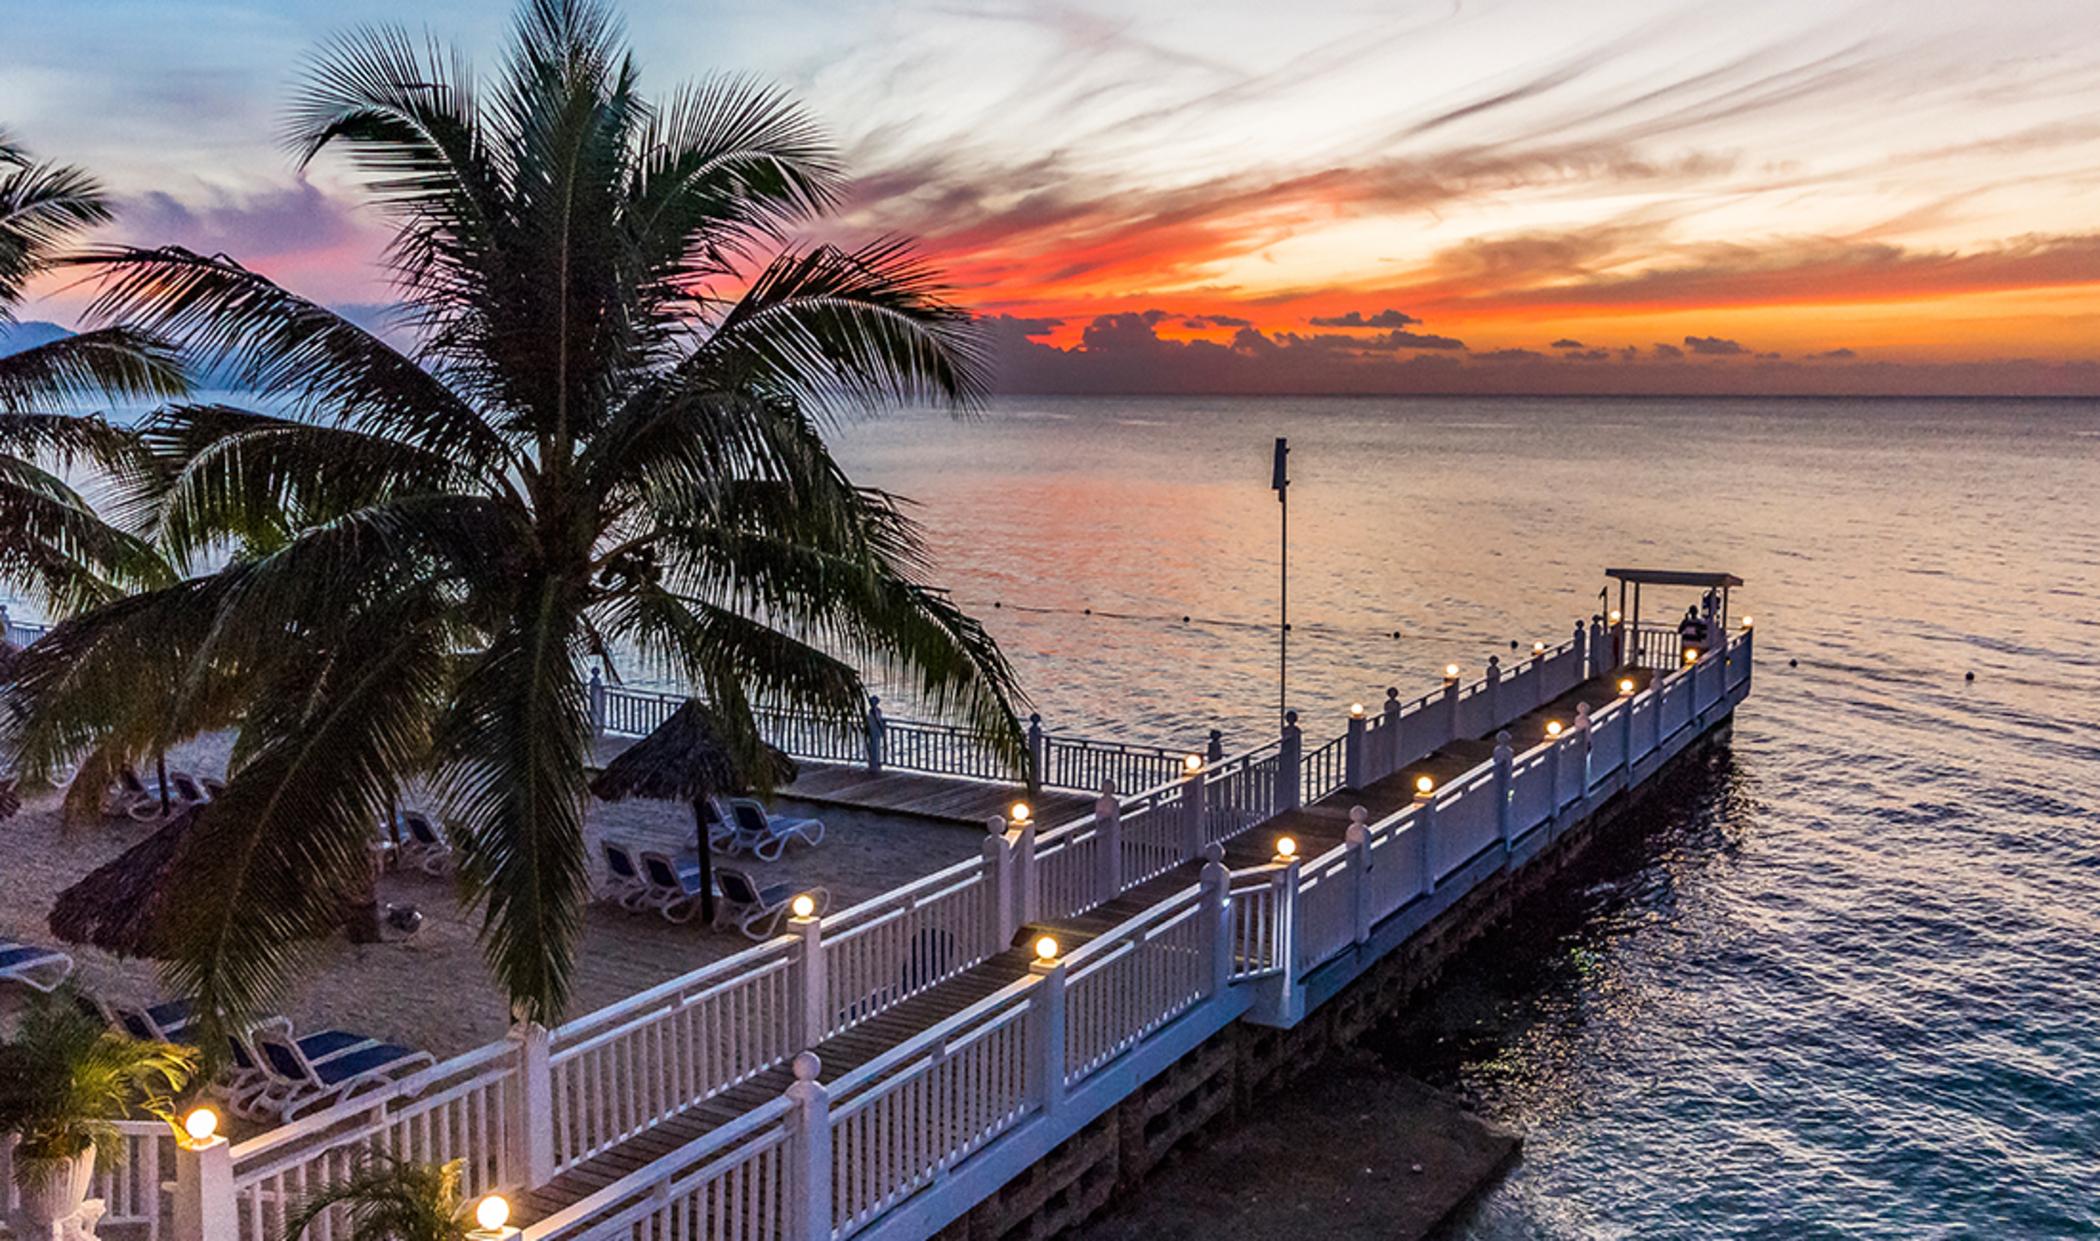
160, 763
707, 863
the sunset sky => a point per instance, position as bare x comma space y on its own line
1523, 195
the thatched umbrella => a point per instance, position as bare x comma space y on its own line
120, 905
690, 758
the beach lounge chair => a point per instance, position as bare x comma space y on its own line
42, 968
623, 877
758, 912
131, 798
187, 788
320, 1070
767, 835
673, 887
423, 843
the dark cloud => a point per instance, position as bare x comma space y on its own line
1565, 343
297, 218
1769, 357
1210, 321
1713, 346
1417, 340
1836, 355
1123, 354
1357, 318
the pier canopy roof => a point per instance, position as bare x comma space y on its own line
1673, 577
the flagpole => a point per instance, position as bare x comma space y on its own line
1280, 480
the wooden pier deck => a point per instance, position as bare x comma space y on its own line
1317, 828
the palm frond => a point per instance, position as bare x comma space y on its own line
117, 362
843, 331
42, 206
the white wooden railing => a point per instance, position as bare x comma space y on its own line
990, 1087
132, 1186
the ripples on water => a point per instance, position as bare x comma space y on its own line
1843, 980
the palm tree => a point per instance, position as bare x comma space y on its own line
607, 435
52, 544
388, 1199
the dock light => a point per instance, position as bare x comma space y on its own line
200, 1124
1356, 709
1553, 728
1450, 672
805, 906
1017, 814
1286, 847
1626, 685
1538, 648
1746, 622
1691, 654
1192, 763
1424, 786
492, 1213
1046, 948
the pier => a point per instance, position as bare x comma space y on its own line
895, 1069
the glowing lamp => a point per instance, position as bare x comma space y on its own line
1553, 728
1626, 685
1450, 672
200, 1125
1286, 848
1538, 648
805, 906
1424, 785
1691, 654
1356, 709
492, 1213
1017, 813
1615, 616
1746, 622
1046, 948
1192, 763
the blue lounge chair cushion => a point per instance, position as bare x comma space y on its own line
359, 1063
12, 954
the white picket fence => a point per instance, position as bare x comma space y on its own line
133, 1186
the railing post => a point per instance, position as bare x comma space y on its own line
1108, 833
1505, 792
1553, 750
1037, 772
532, 1121
1425, 837
1047, 1039
1598, 666
205, 1208
1494, 691
1626, 734
1215, 751
814, 984
809, 1153
1582, 658
1390, 763
1354, 773
1539, 696
874, 735
1582, 729
1025, 902
597, 698
1217, 905
1655, 726
1289, 756
1449, 706
1194, 833
998, 861
1358, 839
1284, 879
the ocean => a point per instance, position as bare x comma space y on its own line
1843, 981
